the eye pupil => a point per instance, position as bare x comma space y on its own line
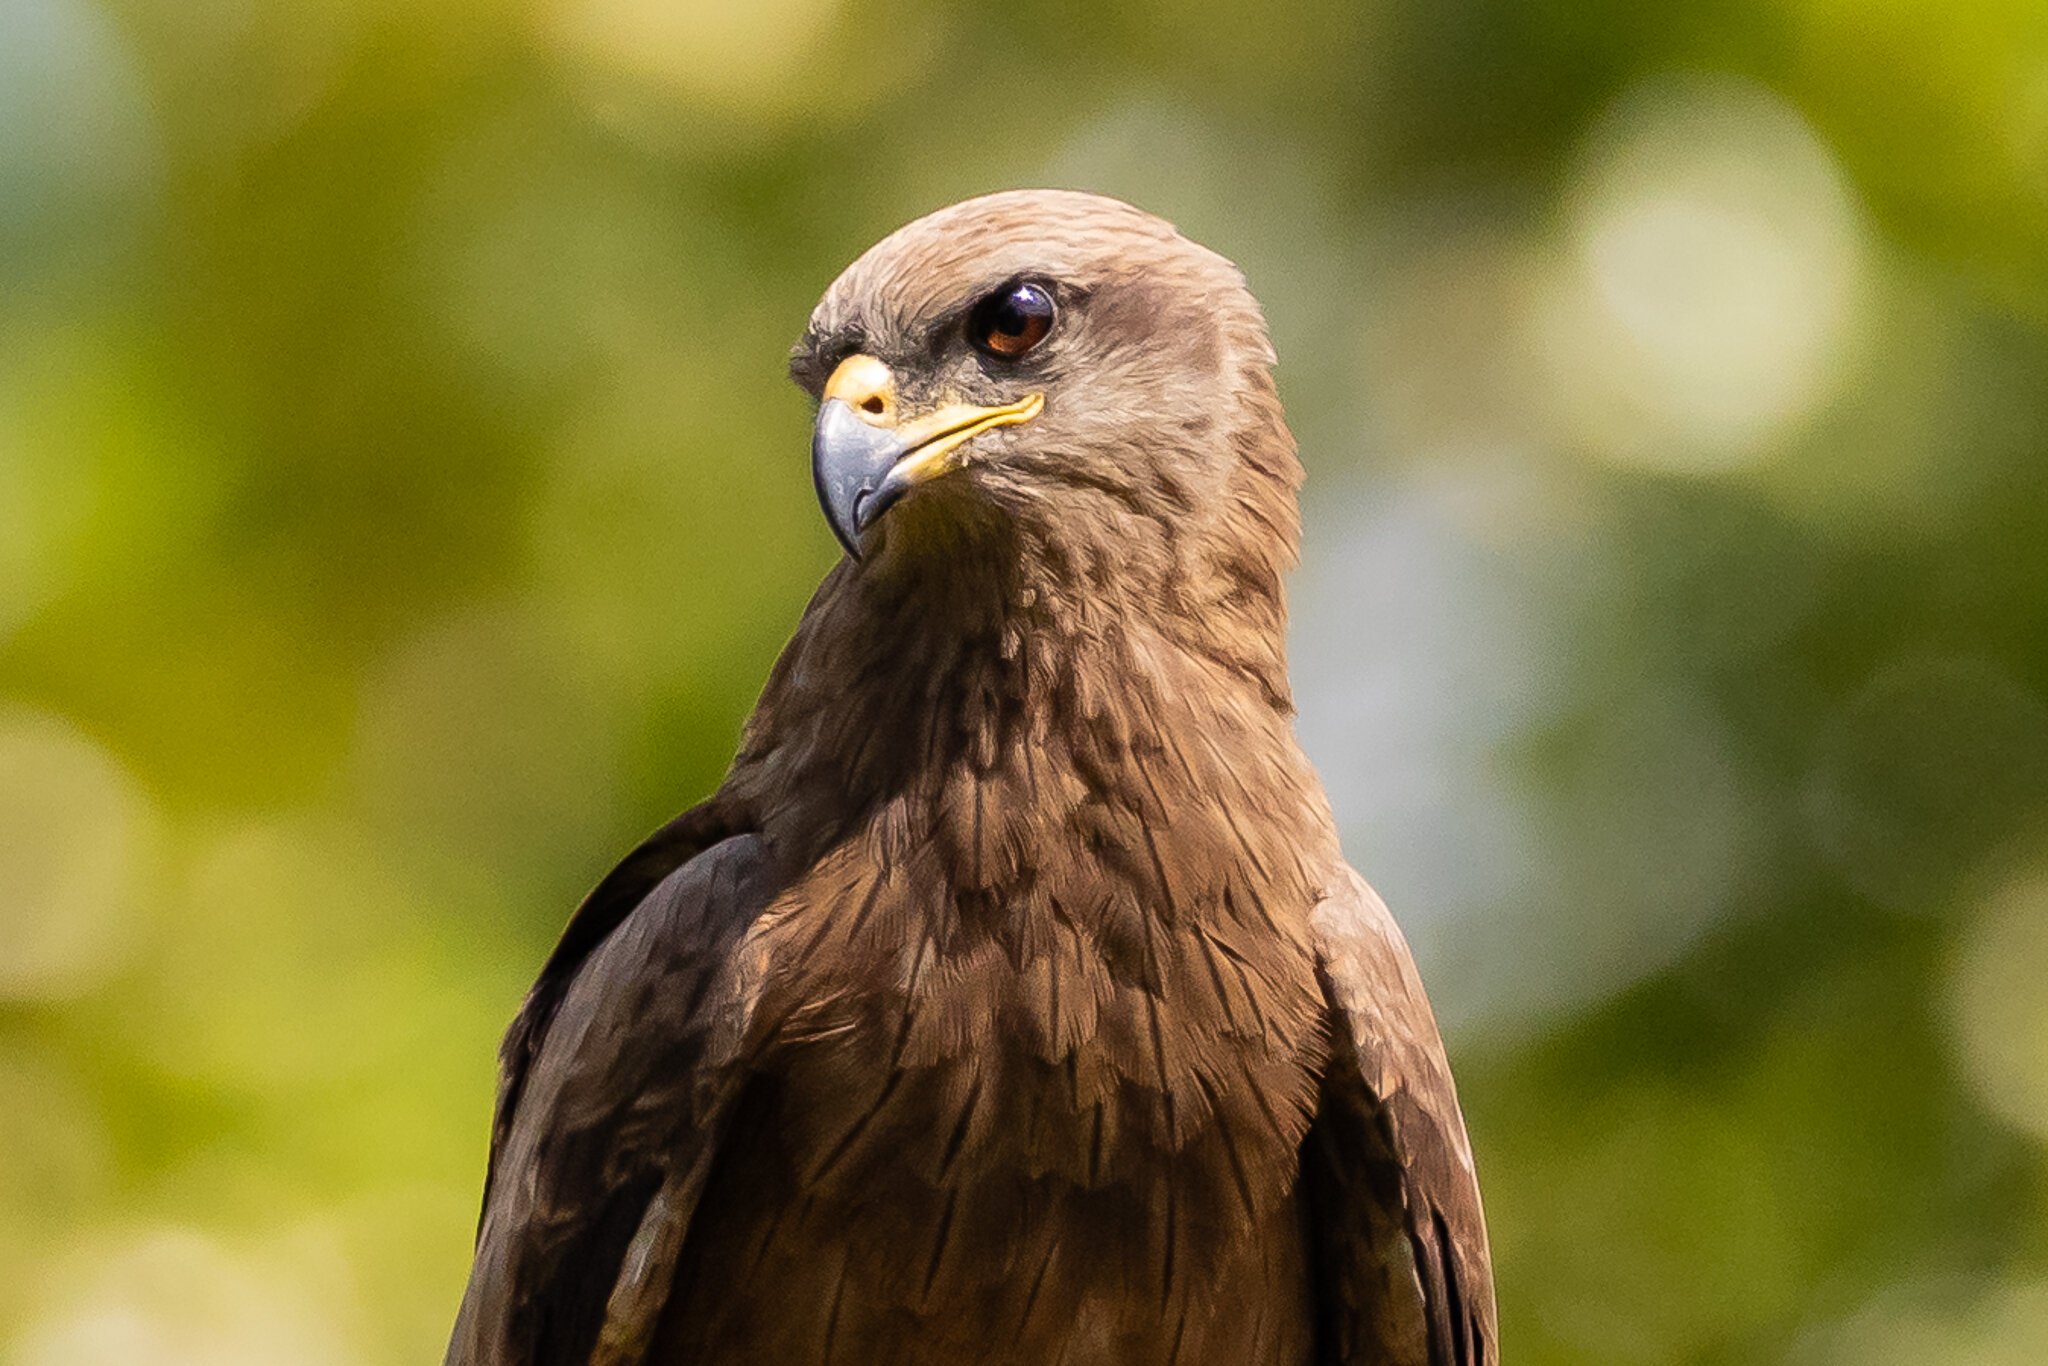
1011, 321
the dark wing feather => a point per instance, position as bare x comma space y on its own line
621, 1094
609, 903
1390, 1197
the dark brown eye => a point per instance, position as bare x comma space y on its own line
1011, 321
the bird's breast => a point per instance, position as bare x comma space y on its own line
1076, 1029
1038, 1136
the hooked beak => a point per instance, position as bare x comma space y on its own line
864, 457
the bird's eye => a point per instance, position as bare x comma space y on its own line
1011, 321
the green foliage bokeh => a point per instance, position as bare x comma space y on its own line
401, 500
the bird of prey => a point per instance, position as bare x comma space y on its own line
1011, 1001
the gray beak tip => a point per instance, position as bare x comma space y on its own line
850, 461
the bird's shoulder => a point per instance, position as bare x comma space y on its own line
617, 895
620, 1068
1400, 1234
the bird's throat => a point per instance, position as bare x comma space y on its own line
971, 710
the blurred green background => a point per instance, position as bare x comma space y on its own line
401, 501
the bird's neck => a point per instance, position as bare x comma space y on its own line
1026, 693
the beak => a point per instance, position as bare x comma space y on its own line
864, 457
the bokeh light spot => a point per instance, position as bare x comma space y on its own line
2006, 1325
1714, 266
284, 966
1427, 655
77, 139
175, 1297
1998, 1007
751, 67
76, 833
56, 1164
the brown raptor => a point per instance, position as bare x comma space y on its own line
1011, 1001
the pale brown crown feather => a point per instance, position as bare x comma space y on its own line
1157, 378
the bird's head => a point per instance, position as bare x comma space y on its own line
1059, 366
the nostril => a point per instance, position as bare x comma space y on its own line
872, 404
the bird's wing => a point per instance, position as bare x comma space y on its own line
1397, 1236
608, 904
620, 1075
